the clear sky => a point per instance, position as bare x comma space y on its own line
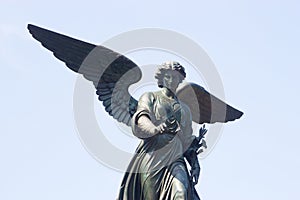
254, 45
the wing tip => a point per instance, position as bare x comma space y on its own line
30, 27
33, 30
240, 115
237, 115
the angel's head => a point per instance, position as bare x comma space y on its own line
170, 75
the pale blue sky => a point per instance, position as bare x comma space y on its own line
254, 44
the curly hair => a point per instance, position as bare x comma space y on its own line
169, 66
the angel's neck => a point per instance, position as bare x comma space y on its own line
168, 93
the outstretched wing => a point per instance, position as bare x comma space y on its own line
205, 107
110, 72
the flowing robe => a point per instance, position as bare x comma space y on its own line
158, 170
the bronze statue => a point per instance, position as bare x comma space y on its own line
162, 119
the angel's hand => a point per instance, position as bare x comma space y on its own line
170, 126
164, 128
161, 128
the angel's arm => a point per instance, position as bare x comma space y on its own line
186, 134
188, 142
148, 129
142, 126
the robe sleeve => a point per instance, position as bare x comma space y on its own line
145, 107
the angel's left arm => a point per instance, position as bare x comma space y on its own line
186, 134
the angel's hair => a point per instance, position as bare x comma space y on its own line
169, 66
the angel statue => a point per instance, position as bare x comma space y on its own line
162, 120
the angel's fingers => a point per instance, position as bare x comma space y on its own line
164, 125
161, 128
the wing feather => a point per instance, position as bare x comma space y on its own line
205, 107
110, 72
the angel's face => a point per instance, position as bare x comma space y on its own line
171, 80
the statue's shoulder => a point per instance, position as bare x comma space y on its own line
148, 96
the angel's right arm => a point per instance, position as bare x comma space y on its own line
147, 128
142, 126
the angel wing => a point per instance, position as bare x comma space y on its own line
110, 72
205, 107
